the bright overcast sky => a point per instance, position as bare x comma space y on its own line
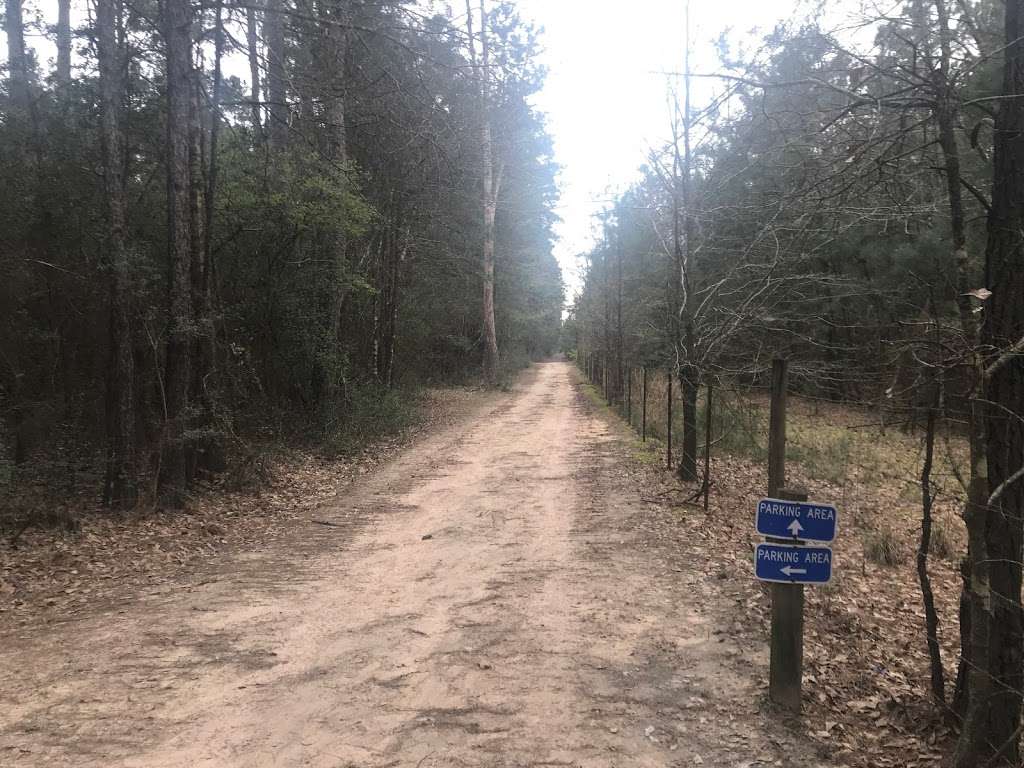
605, 96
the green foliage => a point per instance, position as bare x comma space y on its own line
805, 223
344, 260
370, 412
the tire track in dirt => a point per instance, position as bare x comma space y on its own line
487, 599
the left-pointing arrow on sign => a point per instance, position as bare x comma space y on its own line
790, 564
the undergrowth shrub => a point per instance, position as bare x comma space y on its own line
823, 450
739, 427
511, 363
370, 412
883, 547
251, 466
942, 543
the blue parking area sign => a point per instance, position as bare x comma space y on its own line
796, 520
788, 564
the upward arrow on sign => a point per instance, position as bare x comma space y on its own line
801, 520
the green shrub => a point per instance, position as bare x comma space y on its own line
370, 412
512, 361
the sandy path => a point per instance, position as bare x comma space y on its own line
486, 600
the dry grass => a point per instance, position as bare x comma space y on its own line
864, 644
944, 543
835, 443
884, 547
864, 640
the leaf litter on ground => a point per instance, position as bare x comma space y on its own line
50, 575
867, 700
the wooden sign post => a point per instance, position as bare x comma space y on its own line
785, 675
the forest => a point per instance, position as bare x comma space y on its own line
230, 229
851, 201
223, 222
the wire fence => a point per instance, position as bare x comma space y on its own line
646, 398
650, 401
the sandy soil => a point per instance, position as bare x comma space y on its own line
489, 598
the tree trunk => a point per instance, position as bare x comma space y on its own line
209, 198
209, 452
173, 479
931, 618
332, 93
689, 386
252, 43
393, 250
277, 103
993, 715
491, 360
490, 191
338, 152
961, 690
17, 57
689, 372
606, 357
196, 203
946, 108
6, 450
619, 381
391, 329
972, 749
64, 42
120, 483
197, 257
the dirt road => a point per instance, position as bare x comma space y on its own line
490, 598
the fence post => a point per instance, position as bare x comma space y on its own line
629, 396
620, 385
668, 430
604, 379
643, 421
787, 638
707, 444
